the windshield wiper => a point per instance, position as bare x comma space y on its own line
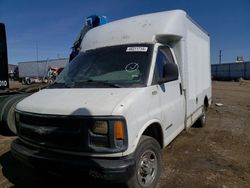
75, 84
59, 85
101, 82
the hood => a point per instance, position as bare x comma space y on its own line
101, 101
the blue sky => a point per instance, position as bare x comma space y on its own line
54, 25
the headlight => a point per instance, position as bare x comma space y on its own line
108, 135
100, 127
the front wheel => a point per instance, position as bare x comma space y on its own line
148, 157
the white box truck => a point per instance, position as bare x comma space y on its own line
135, 85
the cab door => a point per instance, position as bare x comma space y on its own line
167, 78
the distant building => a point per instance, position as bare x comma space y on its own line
39, 69
239, 59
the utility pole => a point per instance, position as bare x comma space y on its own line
220, 54
37, 59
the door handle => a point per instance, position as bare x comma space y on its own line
180, 89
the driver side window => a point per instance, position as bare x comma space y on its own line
164, 56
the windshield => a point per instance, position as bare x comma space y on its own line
116, 66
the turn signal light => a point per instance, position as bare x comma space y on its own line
119, 130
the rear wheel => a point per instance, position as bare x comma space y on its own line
202, 119
23, 81
148, 157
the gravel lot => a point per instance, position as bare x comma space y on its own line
217, 155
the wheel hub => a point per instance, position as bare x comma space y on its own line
147, 168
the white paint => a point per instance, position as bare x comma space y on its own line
3, 83
84, 102
137, 29
141, 107
137, 49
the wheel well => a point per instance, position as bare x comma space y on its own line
206, 102
155, 131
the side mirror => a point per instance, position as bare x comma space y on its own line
170, 73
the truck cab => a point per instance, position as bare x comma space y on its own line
119, 102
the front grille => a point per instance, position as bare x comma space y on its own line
62, 132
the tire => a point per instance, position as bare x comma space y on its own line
3, 104
23, 82
201, 122
8, 112
148, 158
28, 81
51, 81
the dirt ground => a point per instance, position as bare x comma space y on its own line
217, 155
17, 86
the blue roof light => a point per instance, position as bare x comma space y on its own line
94, 20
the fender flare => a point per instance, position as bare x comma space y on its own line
140, 133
